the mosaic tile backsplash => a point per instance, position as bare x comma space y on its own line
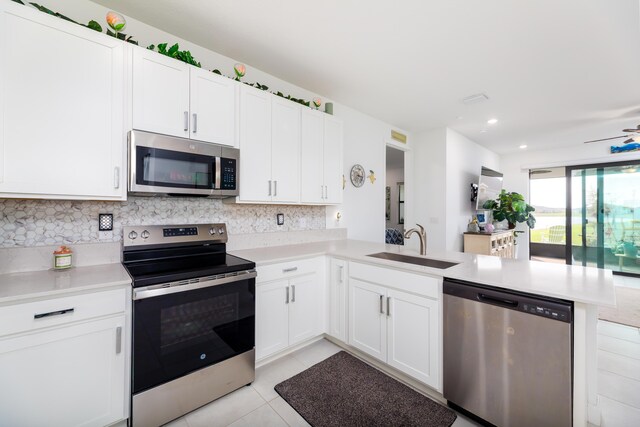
51, 222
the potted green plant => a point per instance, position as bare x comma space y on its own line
512, 208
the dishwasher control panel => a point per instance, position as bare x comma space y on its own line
545, 311
536, 305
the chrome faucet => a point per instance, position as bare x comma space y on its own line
422, 235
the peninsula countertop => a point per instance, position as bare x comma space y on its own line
586, 285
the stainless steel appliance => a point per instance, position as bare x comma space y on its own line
507, 355
166, 165
193, 319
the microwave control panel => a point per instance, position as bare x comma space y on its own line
228, 173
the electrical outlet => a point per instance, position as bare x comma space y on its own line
280, 219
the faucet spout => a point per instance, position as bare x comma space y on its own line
422, 235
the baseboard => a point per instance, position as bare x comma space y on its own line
287, 351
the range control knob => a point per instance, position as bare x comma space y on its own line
220, 230
145, 234
212, 231
133, 235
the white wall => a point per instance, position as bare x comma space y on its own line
430, 192
364, 137
465, 159
446, 163
515, 167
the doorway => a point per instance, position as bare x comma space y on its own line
394, 196
603, 220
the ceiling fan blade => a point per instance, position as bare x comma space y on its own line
628, 141
605, 139
631, 130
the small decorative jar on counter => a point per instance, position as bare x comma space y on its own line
62, 258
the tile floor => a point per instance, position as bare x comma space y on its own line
619, 374
259, 404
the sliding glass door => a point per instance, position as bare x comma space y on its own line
603, 216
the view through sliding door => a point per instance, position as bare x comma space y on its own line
603, 216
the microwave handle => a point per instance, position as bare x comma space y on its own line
218, 176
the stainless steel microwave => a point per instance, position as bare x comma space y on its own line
166, 165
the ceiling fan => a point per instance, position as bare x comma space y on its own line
634, 137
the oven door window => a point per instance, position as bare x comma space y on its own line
179, 333
165, 168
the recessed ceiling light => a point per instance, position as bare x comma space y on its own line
492, 121
483, 131
460, 117
523, 146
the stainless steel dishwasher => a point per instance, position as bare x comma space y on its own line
507, 355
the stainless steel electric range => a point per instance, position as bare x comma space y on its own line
193, 319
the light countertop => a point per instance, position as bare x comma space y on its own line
575, 283
15, 287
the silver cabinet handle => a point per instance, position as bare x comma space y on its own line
186, 121
287, 301
341, 267
293, 293
53, 313
322, 192
388, 306
381, 306
326, 192
118, 339
269, 187
195, 123
116, 177
275, 188
289, 270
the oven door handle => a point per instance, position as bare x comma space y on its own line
160, 290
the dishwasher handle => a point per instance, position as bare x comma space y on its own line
504, 302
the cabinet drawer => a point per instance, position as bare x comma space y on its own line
415, 283
59, 311
288, 269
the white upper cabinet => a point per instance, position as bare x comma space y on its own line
174, 98
213, 107
332, 160
255, 145
312, 157
270, 147
160, 93
62, 95
321, 158
285, 150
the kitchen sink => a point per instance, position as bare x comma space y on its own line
427, 262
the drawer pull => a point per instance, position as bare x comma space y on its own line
289, 270
53, 313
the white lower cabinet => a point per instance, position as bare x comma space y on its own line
338, 292
399, 328
289, 305
71, 374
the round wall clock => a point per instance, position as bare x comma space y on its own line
357, 175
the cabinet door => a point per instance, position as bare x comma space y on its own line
285, 150
312, 156
338, 299
367, 318
213, 107
255, 143
413, 336
61, 101
68, 376
304, 308
272, 318
333, 159
160, 93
